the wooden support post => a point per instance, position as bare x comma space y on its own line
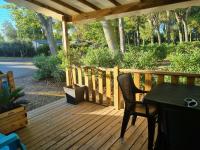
80, 80
68, 76
11, 81
160, 79
87, 82
190, 80
74, 75
148, 81
174, 79
108, 87
65, 38
137, 84
116, 89
100, 81
93, 85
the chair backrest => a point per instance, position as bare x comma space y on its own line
127, 86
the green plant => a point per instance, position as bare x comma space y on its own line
49, 67
9, 99
100, 57
43, 49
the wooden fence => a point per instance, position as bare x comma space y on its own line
103, 85
10, 78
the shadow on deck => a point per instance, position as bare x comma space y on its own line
59, 125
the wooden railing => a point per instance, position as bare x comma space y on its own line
103, 85
10, 78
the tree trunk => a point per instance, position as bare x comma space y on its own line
178, 19
151, 26
138, 31
47, 27
121, 35
158, 35
185, 30
110, 36
168, 27
190, 36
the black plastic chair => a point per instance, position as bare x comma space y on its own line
136, 108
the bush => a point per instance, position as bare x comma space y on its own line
139, 60
49, 67
43, 49
185, 61
100, 57
17, 49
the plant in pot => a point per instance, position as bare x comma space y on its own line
11, 99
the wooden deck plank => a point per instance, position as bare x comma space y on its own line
84, 126
65, 124
115, 143
69, 140
43, 124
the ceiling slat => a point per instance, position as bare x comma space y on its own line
67, 5
123, 9
85, 2
116, 3
50, 8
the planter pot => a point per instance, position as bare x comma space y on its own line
13, 120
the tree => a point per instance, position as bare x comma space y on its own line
48, 30
1, 38
9, 31
110, 36
121, 35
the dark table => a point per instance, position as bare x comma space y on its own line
176, 121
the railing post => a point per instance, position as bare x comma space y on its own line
87, 82
116, 88
93, 84
108, 87
100, 84
74, 75
68, 76
11, 81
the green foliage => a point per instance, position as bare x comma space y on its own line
139, 60
185, 59
9, 31
16, 49
100, 57
43, 49
49, 67
9, 99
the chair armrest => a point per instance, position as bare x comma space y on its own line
8, 139
141, 91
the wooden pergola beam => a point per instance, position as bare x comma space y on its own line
85, 2
67, 17
67, 5
123, 9
116, 3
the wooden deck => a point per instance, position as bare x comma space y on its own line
85, 126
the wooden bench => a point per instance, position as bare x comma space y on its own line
76, 94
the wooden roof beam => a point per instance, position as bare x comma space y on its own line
98, 14
68, 18
67, 6
114, 2
85, 2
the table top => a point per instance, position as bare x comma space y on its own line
174, 95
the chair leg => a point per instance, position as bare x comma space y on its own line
125, 123
151, 131
134, 119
